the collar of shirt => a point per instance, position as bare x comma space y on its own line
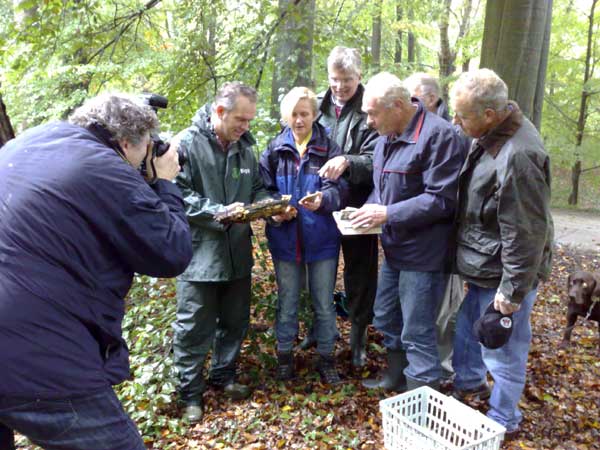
493, 141
301, 146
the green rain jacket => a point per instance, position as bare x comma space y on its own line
221, 253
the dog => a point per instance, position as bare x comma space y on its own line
583, 289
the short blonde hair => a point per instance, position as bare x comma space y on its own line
291, 99
387, 89
484, 88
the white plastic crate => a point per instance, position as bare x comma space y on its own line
424, 419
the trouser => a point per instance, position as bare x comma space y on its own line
405, 310
209, 315
360, 277
507, 364
446, 321
95, 421
321, 282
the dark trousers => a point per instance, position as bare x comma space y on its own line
360, 277
209, 315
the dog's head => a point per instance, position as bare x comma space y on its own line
582, 286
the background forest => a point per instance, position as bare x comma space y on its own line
56, 53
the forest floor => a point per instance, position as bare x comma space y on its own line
561, 402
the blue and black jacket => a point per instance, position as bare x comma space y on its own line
311, 236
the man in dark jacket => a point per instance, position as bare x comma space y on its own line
504, 237
341, 115
213, 294
415, 172
78, 219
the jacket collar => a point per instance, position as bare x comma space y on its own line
495, 139
354, 104
412, 131
317, 143
201, 120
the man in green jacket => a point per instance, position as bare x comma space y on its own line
213, 294
341, 115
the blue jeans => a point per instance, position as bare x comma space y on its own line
321, 283
405, 309
95, 421
507, 365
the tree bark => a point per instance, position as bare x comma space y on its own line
6, 130
411, 40
293, 49
515, 46
399, 35
376, 38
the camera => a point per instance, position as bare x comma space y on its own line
160, 147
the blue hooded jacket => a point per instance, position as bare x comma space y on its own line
311, 236
76, 222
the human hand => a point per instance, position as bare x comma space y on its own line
312, 202
334, 168
166, 165
288, 214
505, 306
369, 216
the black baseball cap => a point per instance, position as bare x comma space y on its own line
493, 329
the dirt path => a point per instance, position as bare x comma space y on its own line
577, 228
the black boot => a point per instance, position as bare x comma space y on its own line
393, 378
285, 366
326, 367
358, 345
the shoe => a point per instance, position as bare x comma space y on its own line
326, 367
511, 435
358, 345
193, 412
236, 391
393, 378
481, 392
415, 384
307, 343
285, 366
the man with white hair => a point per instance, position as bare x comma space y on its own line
416, 164
340, 113
504, 238
427, 89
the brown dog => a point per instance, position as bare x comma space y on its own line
584, 300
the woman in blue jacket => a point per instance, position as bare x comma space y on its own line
305, 235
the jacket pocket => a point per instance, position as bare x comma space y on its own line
478, 254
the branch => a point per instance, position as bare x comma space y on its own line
560, 111
590, 168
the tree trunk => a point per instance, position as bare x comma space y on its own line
399, 36
515, 46
6, 130
582, 119
411, 40
293, 50
376, 38
446, 56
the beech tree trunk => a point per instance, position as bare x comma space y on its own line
376, 38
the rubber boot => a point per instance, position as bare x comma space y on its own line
411, 384
393, 378
358, 346
327, 369
285, 366
193, 412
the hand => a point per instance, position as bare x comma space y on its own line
369, 216
289, 214
232, 207
312, 202
167, 165
505, 306
334, 168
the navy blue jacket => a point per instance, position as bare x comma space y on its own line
76, 222
416, 176
311, 236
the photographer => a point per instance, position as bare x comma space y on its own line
77, 220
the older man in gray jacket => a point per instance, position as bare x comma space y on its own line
504, 238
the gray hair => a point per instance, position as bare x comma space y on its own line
387, 89
428, 84
345, 59
228, 94
484, 88
124, 116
